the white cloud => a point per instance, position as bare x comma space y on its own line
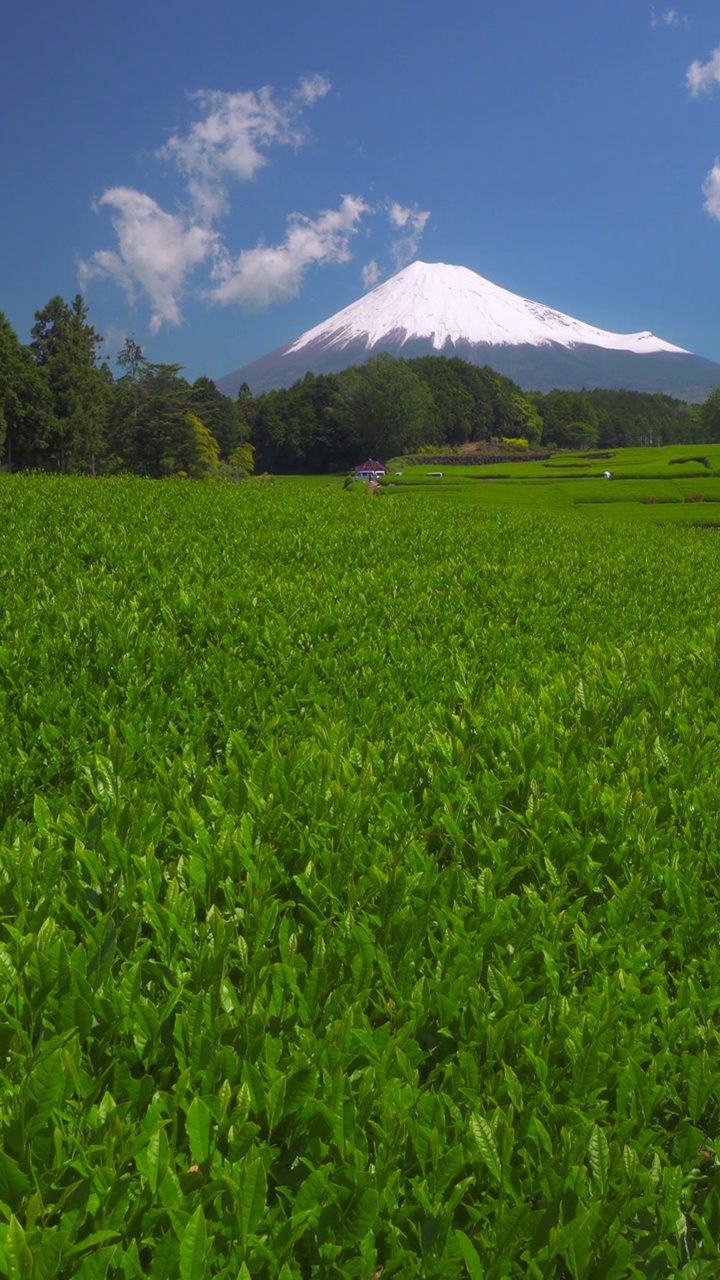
399, 214
268, 273
155, 250
229, 139
311, 88
412, 222
667, 18
702, 76
711, 191
157, 253
371, 273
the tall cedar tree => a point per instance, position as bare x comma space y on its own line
25, 402
66, 349
217, 412
160, 439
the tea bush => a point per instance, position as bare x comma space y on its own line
359, 899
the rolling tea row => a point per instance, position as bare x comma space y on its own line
359, 898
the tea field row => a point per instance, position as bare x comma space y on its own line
359, 893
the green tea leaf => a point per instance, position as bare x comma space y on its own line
154, 1160
198, 1127
42, 814
599, 1155
18, 1255
253, 1192
630, 1163
192, 1247
14, 1185
470, 1256
483, 1136
699, 1085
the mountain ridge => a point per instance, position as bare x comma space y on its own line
449, 310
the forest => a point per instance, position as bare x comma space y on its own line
64, 409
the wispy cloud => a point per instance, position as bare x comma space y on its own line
711, 191
412, 222
371, 274
230, 138
702, 76
311, 89
156, 251
667, 18
159, 254
267, 273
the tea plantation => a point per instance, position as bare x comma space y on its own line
359, 887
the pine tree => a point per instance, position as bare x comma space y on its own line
25, 404
65, 347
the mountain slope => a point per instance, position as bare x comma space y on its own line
450, 310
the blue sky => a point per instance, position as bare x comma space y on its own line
219, 177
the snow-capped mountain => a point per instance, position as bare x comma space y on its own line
448, 305
447, 310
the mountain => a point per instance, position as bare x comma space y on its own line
435, 308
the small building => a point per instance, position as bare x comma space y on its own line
370, 470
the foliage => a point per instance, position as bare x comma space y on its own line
707, 417
65, 346
155, 421
385, 407
218, 413
203, 451
472, 403
319, 958
242, 459
25, 402
60, 409
580, 435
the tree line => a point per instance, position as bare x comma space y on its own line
389, 407
63, 409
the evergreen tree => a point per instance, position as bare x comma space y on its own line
560, 409
218, 412
246, 408
25, 403
385, 408
123, 418
156, 434
454, 401
708, 419
65, 346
